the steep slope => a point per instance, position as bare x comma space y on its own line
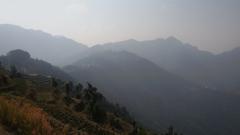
25, 64
30, 107
158, 98
41, 45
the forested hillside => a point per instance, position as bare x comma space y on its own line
38, 105
24, 63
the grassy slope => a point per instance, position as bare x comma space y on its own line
29, 105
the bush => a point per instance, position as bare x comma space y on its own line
79, 107
68, 100
32, 95
116, 123
4, 79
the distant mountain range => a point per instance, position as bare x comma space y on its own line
54, 49
156, 97
162, 82
212, 71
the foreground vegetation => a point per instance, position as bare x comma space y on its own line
39, 105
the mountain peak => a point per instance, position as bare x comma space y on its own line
173, 40
9, 26
129, 41
20, 54
41, 45
27, 65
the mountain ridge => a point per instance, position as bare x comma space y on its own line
155, 97
24, 63
41, 45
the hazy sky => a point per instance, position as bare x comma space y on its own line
208, 24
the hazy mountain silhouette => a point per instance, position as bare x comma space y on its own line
162, 81
27, 65
41, 45
156, 97
169, 53
212, 71
218, 72
226, 70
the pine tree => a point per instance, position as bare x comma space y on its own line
171, 131
13, 71
54, 82
79, 88
98, 114
68, 88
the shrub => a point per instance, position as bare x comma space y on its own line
79, 107
68, 100
4, 79
116, 123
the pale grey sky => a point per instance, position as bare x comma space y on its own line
208, 24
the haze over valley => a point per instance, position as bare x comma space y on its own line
119, 68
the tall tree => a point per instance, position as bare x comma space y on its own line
13, 71
69, 88
79, 88
54, 82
